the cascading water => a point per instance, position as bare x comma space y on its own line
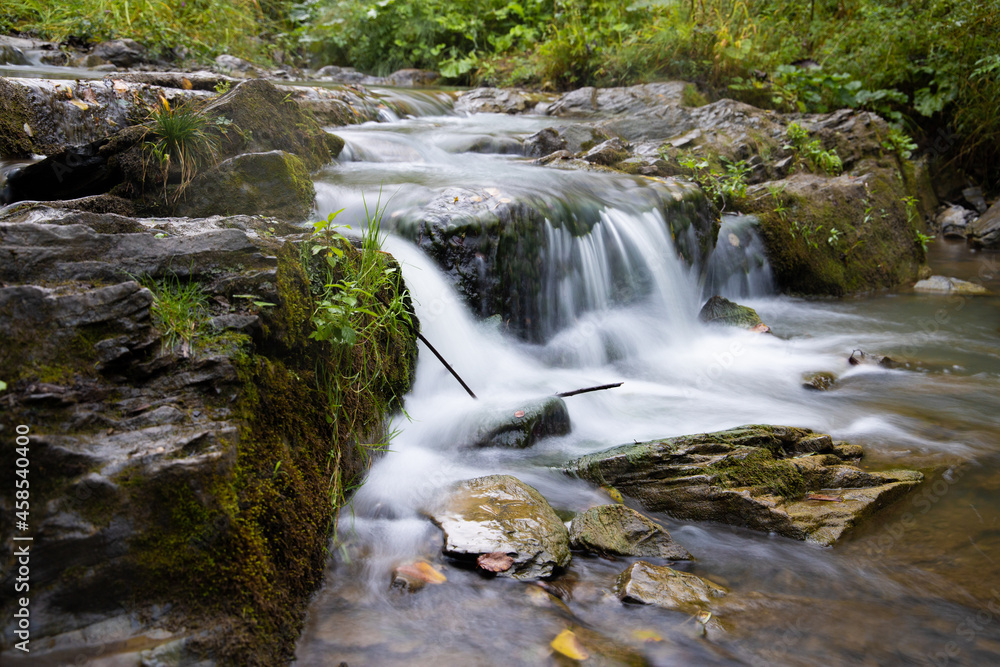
620, 304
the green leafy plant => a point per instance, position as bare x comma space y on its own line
899, 142
725, 187
811, 151
922, 240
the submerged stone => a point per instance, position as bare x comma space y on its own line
752, 476
521, 425
500, 513
665, 587
617, 530
819, 381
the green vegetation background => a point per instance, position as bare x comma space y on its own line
930, 66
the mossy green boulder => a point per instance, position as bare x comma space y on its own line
616, 531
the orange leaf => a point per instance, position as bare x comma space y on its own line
421, 571
821, 496
497, 561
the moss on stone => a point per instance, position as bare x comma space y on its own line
757, 468
14, 140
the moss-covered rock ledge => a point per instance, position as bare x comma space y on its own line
184, 485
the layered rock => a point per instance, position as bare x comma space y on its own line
780, 479
665, 587
193, 473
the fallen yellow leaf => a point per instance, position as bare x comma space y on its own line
186, 84
613, 494
82, 106
567, 644
647, 635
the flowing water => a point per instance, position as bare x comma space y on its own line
918, 584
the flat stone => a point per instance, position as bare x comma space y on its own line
666, 588
757, 476
946, 285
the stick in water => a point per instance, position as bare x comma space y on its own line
589, 389
446, 364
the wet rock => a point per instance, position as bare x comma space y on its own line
412, 78
544, 142
631, 99
62, 245
617, 530
499, 513
752, 476
275, 184
650, 124
607, 152
664, 587
862, 358
11, 55
819, 381
493, 100
344, 75
946, 285
953, 221
720, 310
985, 232
521, 425
848, 451
121, 52
974, 196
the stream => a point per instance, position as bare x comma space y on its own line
917, 584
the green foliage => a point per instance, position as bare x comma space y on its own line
899, 142
182, 139
726, 186
201, 28
361, 307
180, 311
811, 151
922, 240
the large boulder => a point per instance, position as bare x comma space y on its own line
617, 530
779, 479
274, 183
838, 235
500, 514
665, 587
493, 100
267, 119
985, 232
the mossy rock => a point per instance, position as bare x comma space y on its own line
721, 311
274, 184
760, 477
839, 236
266, 119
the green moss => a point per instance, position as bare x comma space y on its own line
692, 97
757, 468
14, 140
